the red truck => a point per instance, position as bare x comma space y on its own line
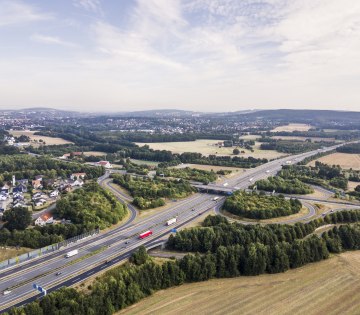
145, 234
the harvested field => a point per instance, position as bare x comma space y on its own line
328, 287
345, 160
292, 127
36, 139
352, 185
207, 147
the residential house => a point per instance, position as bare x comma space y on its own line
75, 183
3, 197
77, 176
36, 183
36, 195
20, 188
19, 204
23, 181
5, 189
54, 193
39, 177
105, 164
44, 219
39, 202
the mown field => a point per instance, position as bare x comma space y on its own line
328, 287
6, 253
207, 147
292, 127
345, 160
36, 138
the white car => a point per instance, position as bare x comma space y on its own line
6, 292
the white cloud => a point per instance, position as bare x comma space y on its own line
51, 40
17, 12
89, 5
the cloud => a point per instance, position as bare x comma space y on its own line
93, 6
16, 12
51, 40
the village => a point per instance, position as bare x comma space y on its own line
37, 194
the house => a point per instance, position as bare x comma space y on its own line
23, 181
69, 155
77, 176
19, 204
36, 183
39, 202
36, 195
75, 183
44, 219
3, 197
105, 164
20, 188
54, 193
48, 182
5, 189
39, 177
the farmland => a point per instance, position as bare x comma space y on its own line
209, 147
313, 289
36, 138
345, 160
292, 127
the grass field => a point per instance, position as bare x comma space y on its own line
329, 287
292, 127
35, 138
12, 252
207, 147
141, 162
345, 160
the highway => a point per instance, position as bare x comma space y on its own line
106, 249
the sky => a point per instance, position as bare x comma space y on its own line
200, 55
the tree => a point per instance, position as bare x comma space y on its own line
236, 151
357, 188
17, 219
140, 256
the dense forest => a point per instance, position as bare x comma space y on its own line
350, 148
149, 193
321, 174
88, 208
259, 206
228, 250
291, 146
281, 185
188, 174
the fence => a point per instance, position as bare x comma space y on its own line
45, 250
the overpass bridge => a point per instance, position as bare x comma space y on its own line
215, 189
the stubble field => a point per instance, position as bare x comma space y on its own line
328, 287
345, 160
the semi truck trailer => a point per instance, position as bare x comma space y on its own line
72, 253
171, 221
145, 234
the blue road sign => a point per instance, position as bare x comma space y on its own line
173, 230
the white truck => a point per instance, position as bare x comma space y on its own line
215, 198
72, 253
171, 221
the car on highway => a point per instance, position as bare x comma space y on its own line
6, 292
127, 242
58, 273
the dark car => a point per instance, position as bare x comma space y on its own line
58, 273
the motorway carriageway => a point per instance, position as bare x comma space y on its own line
45, 274
33, 272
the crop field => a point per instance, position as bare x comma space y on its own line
36, 138
313, 289
292, 127
345, 160
209, 147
